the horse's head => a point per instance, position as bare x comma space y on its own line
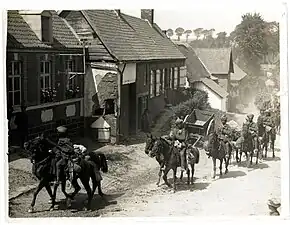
149, 143
33, 147
156, 148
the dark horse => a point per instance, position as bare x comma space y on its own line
44, 169
168, 155
218, 151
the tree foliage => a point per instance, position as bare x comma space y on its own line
169, 33
187, 33
198, 32
179, 32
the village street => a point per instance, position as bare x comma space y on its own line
131, 189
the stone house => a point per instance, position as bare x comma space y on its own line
44, 62
131, 66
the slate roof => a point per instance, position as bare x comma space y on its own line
217, 61
238, 74
195, 69
215, 87
20, 34
129, 38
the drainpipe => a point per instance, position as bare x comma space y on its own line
119, 96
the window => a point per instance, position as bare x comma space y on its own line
178, 77
157, 84
172, 78
169, 75
14, 82
71, 78
145, 77
152, 83
47, 93
161, 81
46, 28
182, 74
175, 84
109, 106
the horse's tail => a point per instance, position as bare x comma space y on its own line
104, 164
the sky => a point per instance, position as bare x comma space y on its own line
209, 16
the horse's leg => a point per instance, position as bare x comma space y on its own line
192, 172
39, 188
181, 175
227, 162
49, 191
221, 167
237, 155
76, 186
188, 175
174, 179
167, 169
273, 147
214, 167
159, 176
86, 184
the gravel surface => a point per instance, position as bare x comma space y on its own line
131, 190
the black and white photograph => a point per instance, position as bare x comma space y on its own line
144, 112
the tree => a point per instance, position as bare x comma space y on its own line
198, 32
221, 40
205, 33
179, 31
169, 33
249, 39
210, 32
187, 33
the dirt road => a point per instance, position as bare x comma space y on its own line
132, 191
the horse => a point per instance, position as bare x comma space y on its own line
167, 155
218, 151
44, 164
269, 137
87, 172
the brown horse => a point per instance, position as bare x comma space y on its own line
217, 151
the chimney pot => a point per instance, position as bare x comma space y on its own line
148, 14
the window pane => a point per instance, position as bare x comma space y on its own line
41, 83
10, 97
16, 68
17, 98
47, 84
47, 67
10, 84
16, 83
9, 68
41, 67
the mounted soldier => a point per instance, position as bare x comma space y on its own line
64, 153
270, 126
224, 133
178, 133
250, 132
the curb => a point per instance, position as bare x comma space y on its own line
22, 191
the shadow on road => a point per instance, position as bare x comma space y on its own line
272, 159
233, 174
183, 186
97, 202
253, 166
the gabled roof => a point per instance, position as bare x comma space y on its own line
20, 34
239, 74
217, 61
215, 87
129, 38
195, 69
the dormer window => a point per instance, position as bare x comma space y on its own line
46, 28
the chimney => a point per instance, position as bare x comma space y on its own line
148, 14
118, 11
